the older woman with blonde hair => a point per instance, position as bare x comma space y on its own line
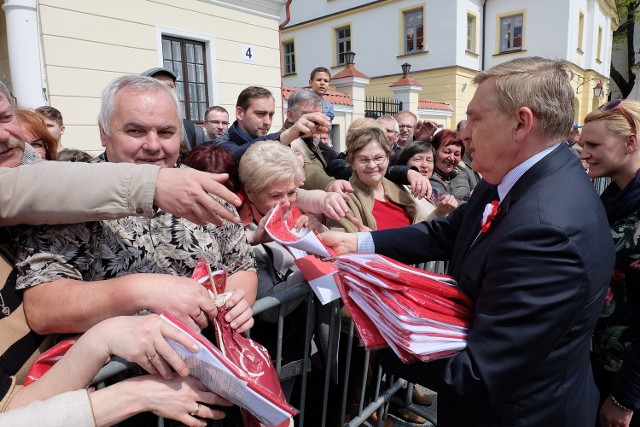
376, 202
270, 174
610, 149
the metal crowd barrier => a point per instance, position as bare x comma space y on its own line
374, 387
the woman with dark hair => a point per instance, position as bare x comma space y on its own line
449, 151
419, 155
215, 159
37, 134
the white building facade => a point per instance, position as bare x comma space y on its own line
448, 42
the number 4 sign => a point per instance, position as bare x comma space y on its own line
249, 54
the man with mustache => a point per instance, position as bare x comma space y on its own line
105, 265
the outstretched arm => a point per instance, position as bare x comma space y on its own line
49, 193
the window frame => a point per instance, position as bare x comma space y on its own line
288, 58
599, 47
580, 32
416, 33
512, 17
471, 42
342, 44
187, 71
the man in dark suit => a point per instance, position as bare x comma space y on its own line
538, 273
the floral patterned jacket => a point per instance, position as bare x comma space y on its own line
102, 250
618, 329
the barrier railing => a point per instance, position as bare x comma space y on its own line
372, 387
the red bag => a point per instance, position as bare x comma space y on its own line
46, 360
246, 354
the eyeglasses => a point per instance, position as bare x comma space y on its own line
616, 104
217, 122
364, 161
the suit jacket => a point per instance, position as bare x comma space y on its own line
538, 278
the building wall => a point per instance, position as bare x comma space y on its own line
87, 44
445, 68
376, 36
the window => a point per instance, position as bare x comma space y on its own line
343, 44
187, 59
413, 31
580, 30
471, 33
288, 58
599, 47
511, 33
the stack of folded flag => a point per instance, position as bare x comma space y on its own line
420, 315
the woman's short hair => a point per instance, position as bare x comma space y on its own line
215, 159
362, 132
268, 162
34, 123
413, 148
445, 138
615, 120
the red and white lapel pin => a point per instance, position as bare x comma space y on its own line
490, 212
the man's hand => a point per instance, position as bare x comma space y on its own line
341, 242
340, 186
182, 296
307, 125
420, 185
185, 192
424, 130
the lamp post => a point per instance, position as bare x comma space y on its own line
406, 67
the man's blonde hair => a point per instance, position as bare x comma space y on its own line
540, 84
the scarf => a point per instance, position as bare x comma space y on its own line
618, 203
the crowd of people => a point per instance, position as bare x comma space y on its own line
557, 316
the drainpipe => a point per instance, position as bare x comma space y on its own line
484, 35
280, 28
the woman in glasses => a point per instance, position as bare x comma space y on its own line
376, 203
610, 149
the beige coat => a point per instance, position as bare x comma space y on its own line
31, 193
361, 204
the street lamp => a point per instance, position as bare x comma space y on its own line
598, 90
349, 57
406, 67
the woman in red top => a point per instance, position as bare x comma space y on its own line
376, 203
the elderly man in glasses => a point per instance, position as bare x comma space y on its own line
531, 247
